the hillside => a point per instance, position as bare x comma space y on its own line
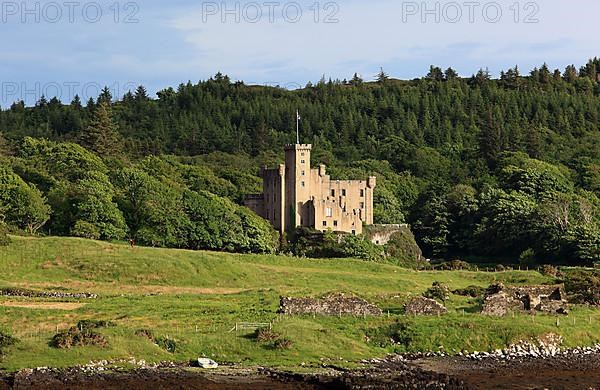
196, 298
506, 169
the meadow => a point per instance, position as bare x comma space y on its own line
196, 298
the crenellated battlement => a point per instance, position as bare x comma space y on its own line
298, 147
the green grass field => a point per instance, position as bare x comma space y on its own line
196, 298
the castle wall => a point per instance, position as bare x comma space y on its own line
296, 195
274, 196
256, 203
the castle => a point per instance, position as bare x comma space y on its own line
295, 195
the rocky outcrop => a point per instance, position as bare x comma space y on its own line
19, 292
331, 305
422, 306
500, 300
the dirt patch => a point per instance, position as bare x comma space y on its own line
69, 306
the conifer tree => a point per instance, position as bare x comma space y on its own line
382, 77
101, 136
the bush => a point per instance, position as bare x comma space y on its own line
4, 239
403, 248
470, 291
94, 324
399, 333
438, 291
282, 343
74, 337
265, 335
166, 343
6, 340
145, 333
583, 286
85, 229
315, 244
549, 270
455, 265
528, 258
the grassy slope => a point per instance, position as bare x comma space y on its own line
197, 297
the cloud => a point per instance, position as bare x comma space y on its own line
176, 42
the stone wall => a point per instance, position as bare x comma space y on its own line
500, 300
382, 234
422, 306
331, 305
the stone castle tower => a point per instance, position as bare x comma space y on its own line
296, 195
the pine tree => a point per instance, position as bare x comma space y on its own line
101, 136
450, 74
382, 77
105, 96
356, 80
141, 94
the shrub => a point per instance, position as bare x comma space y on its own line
6, 340
438, 291
282, 343
403, 248
265, 335
145, 333
74, 337
583, 286
455, 265
399, 333
4, 239
470, 291
528, 258
549, 270
93, 324
85, 229
166, 343
315, 244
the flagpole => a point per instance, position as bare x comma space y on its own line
298, 127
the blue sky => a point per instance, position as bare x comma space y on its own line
179, 40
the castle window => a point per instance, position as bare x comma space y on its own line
324, 223
335, 223
302, 154
303, 173
362, 205
332, 192
354, 232
303, 162
362, 193
302, 184
329, 212
343, 192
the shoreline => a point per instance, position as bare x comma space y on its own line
562, 371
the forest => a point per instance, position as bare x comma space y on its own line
504, 168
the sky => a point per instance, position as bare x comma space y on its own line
67, 47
